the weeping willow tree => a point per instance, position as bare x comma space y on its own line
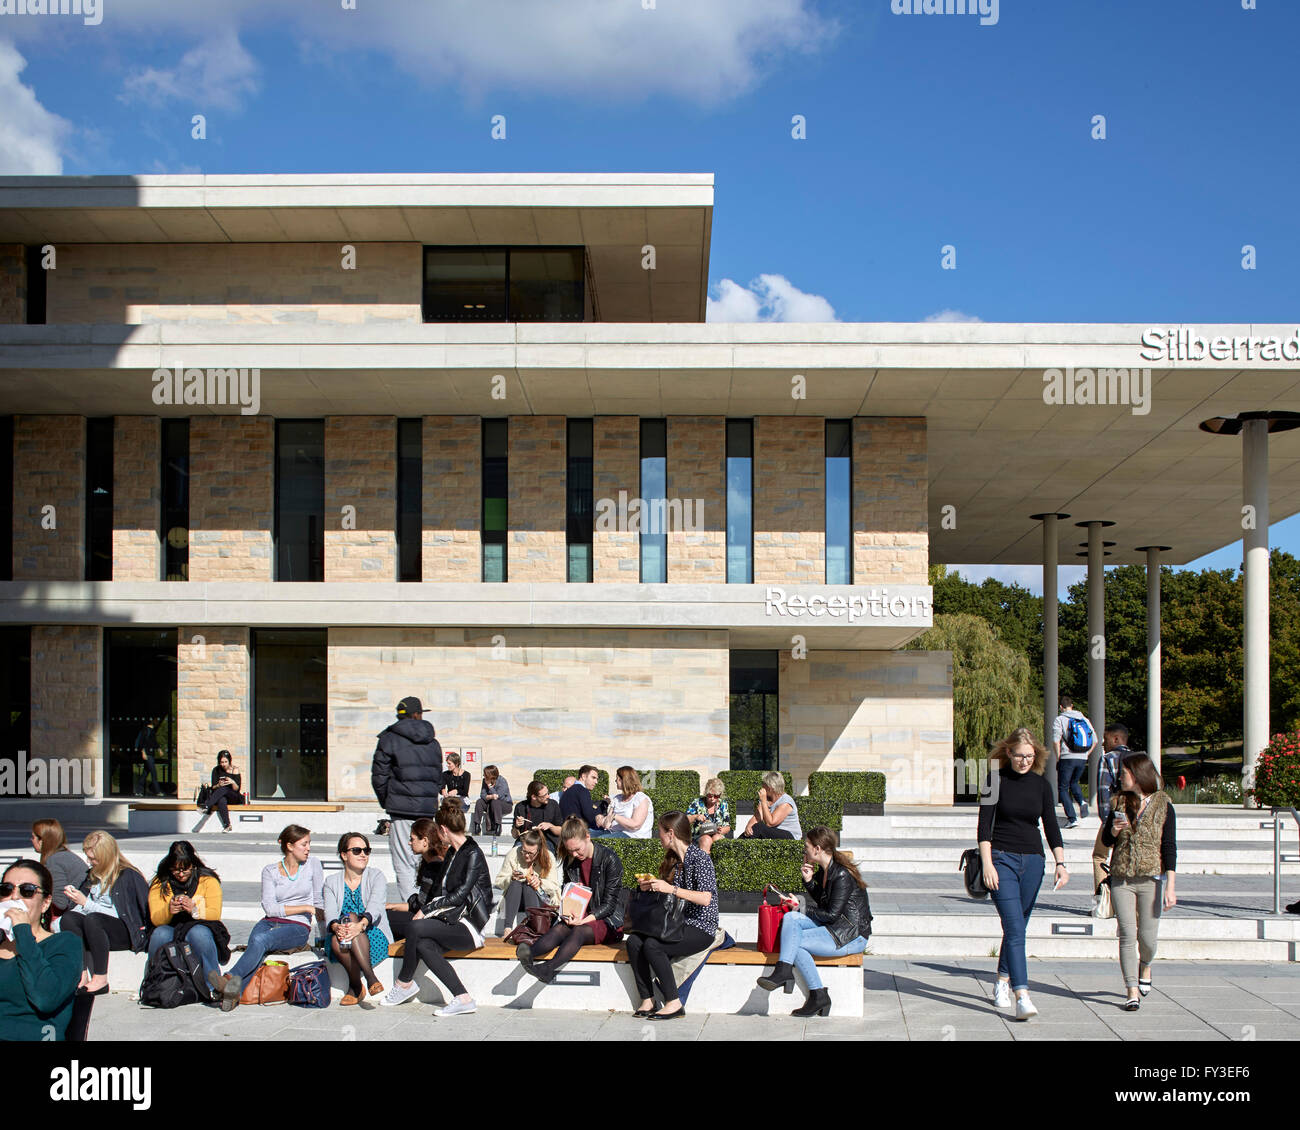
991, 687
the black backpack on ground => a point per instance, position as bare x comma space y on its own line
173, 977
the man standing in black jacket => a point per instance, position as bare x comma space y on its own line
406, 775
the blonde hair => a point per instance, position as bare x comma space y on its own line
629, 780
1002, 751
774, 781
713, 785
109, 860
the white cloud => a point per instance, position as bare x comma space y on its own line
30, 135
769, 298
951, 316
1027, 576
218, 73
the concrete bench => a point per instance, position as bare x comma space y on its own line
167, 817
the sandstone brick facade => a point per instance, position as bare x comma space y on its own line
361, 472
13, 284
213, 689
137, 498
67, 672
890, 501
889, 711
452, 499
697, 471
616, 466
238, 283
535, 546
49, 471
232, 498
789, 500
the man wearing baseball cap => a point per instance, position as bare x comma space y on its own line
406, 775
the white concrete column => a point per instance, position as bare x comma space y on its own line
1051, 636
1096, 642
1154, 741
1254, 497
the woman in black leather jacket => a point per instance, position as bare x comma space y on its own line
453, 918
840, 924
590, 863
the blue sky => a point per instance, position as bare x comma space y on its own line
922, 130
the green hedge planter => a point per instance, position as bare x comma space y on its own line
741, 865
672, 790
820, 810
860, 794
742, 785
553, 779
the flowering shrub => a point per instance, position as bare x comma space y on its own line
1277, 773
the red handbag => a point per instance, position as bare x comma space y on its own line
775, 906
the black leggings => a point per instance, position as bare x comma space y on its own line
219, 798
652, 960
99, 933
566, 940
769, 832
430, 939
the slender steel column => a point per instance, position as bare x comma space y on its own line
1154, 744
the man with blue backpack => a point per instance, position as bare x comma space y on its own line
1073, 740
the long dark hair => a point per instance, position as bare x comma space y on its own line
823, 839
1145, 778
680, 827
47, 883
181, 851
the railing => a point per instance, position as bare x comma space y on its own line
1280, 857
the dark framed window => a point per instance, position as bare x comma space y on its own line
290, 746
839, 502
16, 686
740, 502
755, 722
140, 668
654, 508
36, 292
6, 498
300, 500
503, 284
410, 499
580, 502
176, 499
496, 484
99, 499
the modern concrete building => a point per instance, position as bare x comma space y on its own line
287, 449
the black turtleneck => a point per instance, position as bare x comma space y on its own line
1023, 799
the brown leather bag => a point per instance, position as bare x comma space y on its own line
269, 984
539, 920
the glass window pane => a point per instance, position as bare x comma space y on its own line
753, 699
579, 564
839, 502
300, 500
580, 503
496, 485
464, 284
546, 285
410, 498
176, 499
289, 696
654, 488
99, 499
6, 498
16, 686
740, 501
139, 688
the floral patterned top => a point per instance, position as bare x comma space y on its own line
696, 874
697, 807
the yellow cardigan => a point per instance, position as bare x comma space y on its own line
207, 901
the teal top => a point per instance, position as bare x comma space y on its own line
38, 984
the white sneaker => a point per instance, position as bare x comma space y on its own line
456, 1008
1002, 994
399, 995
1025, 1009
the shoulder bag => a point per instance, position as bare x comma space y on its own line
268, 985
655, 915
972, 867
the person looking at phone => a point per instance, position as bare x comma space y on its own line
775, 817
226, 786
111, 908
528, 877
1140, 839
540, 812
710, 815
1016, 800
593, 865
39, 971
355, 919
185, 905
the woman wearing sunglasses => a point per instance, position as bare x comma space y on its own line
354, 917
39, 971
185, 905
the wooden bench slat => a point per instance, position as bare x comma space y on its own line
743, 953
182, 806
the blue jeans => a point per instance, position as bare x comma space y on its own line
802, 939
1019, 877
614, 833
268, 936
199, 937
1069, 772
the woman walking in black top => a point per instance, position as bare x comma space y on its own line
1011, 851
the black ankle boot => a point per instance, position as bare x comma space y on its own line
817, 1004
781, 977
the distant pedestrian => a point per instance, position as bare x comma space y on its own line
1073, 739
1114, 748
146, 769
1011, 851
1140, 839
406, 775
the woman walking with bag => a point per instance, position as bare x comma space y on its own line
355, 919
1011, 852
1140, 836
687, 874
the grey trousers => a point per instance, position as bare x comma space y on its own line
404, 862
1137, 903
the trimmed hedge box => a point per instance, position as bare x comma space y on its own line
672, 790
553, 779
740, 865
742, 785
860, 794
820, 810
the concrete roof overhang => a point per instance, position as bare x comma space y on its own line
614, 215
998, 452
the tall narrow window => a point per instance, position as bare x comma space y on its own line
740, 502
496, 479
36, 312
580, 503
16, 686
6, 498
839, 502
754, 713
300, 500
410, 498
290, 738
176, 499
99, 499
140, 711
654, 488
